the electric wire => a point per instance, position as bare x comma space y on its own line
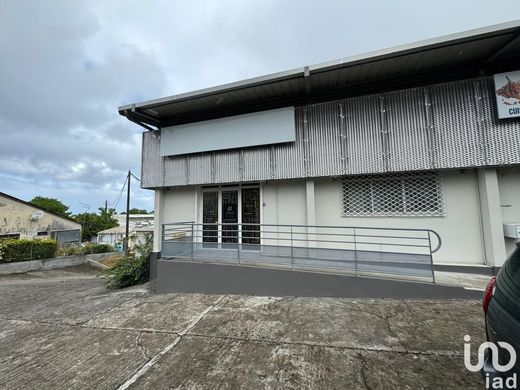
114, 204
135, 177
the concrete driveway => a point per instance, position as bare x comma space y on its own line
62, 329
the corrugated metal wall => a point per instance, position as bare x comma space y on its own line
451, 125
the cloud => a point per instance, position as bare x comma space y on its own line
58, 117
67, 65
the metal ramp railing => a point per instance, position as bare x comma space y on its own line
337, 249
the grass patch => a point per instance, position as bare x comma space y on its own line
111, 261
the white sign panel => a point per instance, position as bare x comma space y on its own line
240, 131
507, 92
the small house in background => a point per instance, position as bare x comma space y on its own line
23, 220
136, 220
139, 226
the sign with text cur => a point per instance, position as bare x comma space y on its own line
507, 92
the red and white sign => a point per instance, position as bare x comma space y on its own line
507, 92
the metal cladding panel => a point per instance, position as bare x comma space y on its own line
200, 169
255, 164
152, 163
289, 158
502, 136
322, 140
455, 119
288, 161
364, 135
174, 171
451, 125
227, 166
407, 130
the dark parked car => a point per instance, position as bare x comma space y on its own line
502, 310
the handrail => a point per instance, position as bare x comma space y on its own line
304, 226
439, 241
239, 229
354, 249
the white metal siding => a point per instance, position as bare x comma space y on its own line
450, 125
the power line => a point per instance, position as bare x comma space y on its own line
135, 177
116, 202
118, 198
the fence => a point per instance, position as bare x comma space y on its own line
67, 237
356, 250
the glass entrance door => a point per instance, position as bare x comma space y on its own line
229, 216
251, 215
210, 218
223, 210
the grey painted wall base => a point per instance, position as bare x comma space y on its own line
187, 277
61, 262
468, 269
154, 257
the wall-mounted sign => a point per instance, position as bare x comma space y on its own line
507, 91
239, 131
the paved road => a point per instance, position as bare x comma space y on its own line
64, 330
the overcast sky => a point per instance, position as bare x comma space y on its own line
65, 67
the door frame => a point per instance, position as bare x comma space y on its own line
225, 187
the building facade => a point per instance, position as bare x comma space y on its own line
405, 138
140, 225
23, 220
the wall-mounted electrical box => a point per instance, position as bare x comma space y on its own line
512, 230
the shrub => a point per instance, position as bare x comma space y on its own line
69, 251
24, 250
96, 248
85, 250
128, 272
132, 270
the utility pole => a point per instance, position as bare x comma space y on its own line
127, 238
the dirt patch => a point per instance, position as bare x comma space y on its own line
111, 261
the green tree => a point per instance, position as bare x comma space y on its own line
51, 204
93, 223
136, 211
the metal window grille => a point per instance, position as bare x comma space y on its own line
408, 194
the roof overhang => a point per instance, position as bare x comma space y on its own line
468, 54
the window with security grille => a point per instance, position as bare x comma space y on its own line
408, 194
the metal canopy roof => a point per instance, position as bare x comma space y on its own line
468, 54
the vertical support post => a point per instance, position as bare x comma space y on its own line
127, 224
481, 126
431, 256
384, 133
272, 163
343, 138
192, 241
491, 215
292, 255
430, 129
355, 254
310, 200
158, 235
306, 154
163, 234
239, 241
